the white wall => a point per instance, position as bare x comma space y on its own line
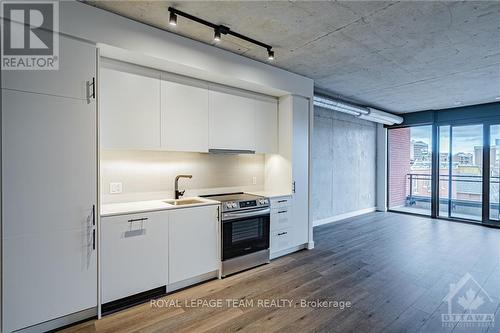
149, 175
343, 175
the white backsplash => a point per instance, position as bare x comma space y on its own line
149, 175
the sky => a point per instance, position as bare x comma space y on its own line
464, 137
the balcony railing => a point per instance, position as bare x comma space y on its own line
461, 185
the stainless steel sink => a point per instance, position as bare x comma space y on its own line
181, 202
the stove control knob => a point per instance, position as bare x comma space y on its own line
262, 201
234, 205
228, 205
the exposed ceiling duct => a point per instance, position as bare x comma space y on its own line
361, 112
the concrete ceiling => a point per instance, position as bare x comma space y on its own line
397, 56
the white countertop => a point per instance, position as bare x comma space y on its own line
270, 194
149, 206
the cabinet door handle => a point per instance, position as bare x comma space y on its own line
293, 186
93, 214
282, 211
93, 239
218, 213
281, 201
138, 220
282, 233
93, 88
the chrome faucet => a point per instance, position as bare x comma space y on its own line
178, 193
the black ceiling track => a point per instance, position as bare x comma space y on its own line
219, 29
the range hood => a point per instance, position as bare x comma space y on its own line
231, 151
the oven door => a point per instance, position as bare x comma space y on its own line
245, 232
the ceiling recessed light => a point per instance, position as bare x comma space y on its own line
497, 98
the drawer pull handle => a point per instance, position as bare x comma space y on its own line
282, 233
138, 220
281, 201
282, 211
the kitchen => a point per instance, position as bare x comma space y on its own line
178, 163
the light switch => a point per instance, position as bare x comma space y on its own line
115, 188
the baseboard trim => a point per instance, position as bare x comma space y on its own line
61, 322
192, 281
282, 253
344, 216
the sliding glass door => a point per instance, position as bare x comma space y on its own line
457, 177
461, 172
494, 173
410, 160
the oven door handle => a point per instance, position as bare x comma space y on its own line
234, 216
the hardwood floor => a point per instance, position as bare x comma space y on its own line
395, 269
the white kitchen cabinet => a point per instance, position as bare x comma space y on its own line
193, 242
300, 170
266, 126
231, 121
281, 225
49, 167
130, 107
280, 213
134, 254
281, 240
184, 117
72, 79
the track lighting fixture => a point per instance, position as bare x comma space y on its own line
216, 35
270, 54
219, 30
173, 19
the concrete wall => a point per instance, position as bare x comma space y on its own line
343, 166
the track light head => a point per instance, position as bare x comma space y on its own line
173, 19
217, 35
270, 54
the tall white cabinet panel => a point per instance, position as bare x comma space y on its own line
193, 242
300, 169
72, 79
266, 126
49, 190
184, 117
130, 107
231, 121
133, 254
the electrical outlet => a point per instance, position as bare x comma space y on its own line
254, 180
115, 188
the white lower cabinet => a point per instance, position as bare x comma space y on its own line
280, 240
140, 252
193, 242
281, 225
134, 250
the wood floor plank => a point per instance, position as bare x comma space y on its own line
394, 269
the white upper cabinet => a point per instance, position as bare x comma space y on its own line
184, 116
72, 79
266, 126
130, 107
231, 121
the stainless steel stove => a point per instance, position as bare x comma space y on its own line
245, 231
